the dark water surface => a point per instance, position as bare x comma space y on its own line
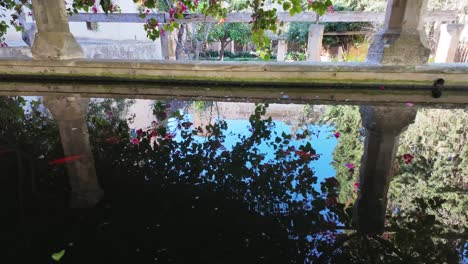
221, 182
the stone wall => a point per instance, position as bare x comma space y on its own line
101, 49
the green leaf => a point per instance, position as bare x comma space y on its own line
57, 256
286, 6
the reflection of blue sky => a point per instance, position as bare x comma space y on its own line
323, 142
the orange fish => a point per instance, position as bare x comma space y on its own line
66, 159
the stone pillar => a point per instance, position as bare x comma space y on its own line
448, 42
169, 45
383, 125
164, 46
282, 50
403, 39
70, 114
172, 45
53, 40
314, 42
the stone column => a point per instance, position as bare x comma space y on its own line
70, 114
53, 39
403, 39
383, 125
448, 42
172, 45
282, 50
314, 42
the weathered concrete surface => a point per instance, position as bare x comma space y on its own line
447, 45
53, 40
314, 42
384, 126
70, 114
100, 49
403, 40
326, 83
129, 50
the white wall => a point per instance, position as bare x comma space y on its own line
114, 31
110, 31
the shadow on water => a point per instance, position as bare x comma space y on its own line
189, 182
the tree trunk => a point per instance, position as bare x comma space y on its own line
221, 51
223, 47
180, 42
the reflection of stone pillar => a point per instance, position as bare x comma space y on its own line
314, 42
282, 50
70, 115
383, 125
403, 39
448, 42
53, 39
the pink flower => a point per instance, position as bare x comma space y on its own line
147, 11
139, 132
135, 141
337, 134
409, 104
356, 185
168, 136
408, 158
182, 7
350, 166
382, 88
172, 11
331, 9
94, 8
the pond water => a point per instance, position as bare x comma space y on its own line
174, 181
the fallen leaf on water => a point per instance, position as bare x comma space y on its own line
57, 256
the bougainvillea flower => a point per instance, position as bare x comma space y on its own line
66, 159
169, 136
337, 134
139, 132
356, 185
135, 141
305, 155
350, 166
408, 158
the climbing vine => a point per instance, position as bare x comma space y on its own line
263, 19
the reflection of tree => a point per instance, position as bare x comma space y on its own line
426, 197
347, 122
438, 142
192, 199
